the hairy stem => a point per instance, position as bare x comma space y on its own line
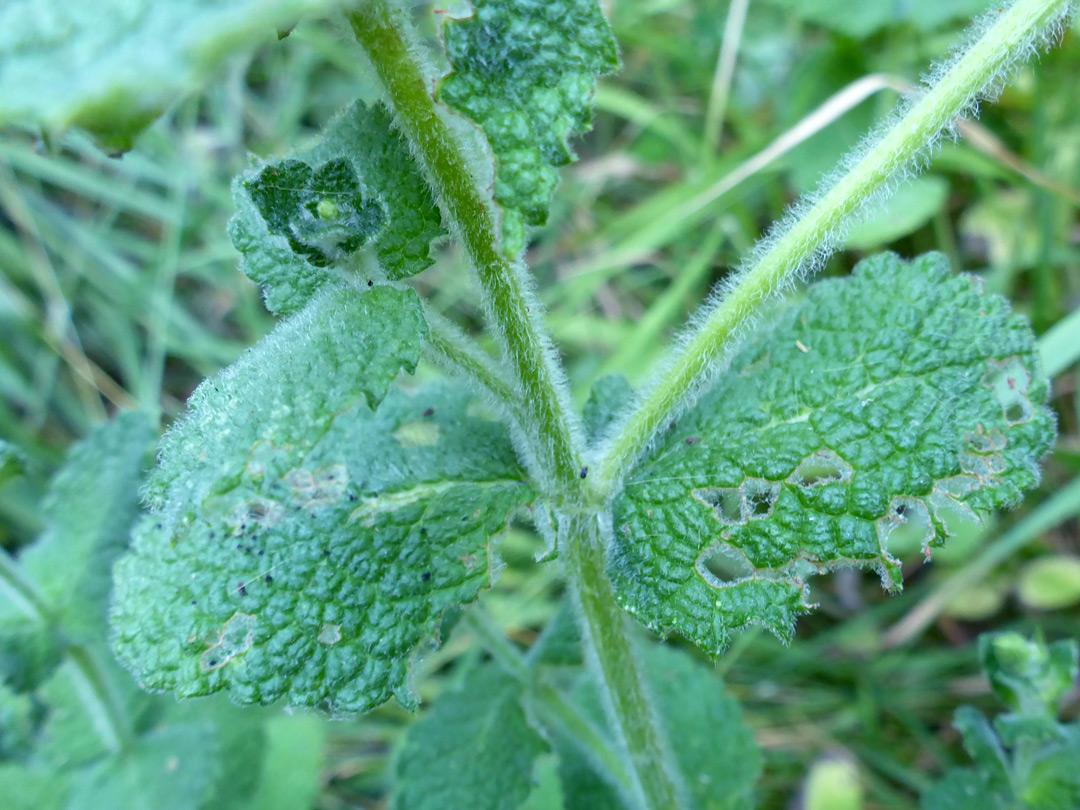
798, 246
384, 33
551, 706
460, 354
617, 668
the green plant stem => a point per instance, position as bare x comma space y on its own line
457, 352
21, 592
105, 710
793, 250
107, 715
383, 32
609, 649
551, 705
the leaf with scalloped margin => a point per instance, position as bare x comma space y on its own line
899, 394
302, 545
300, 221
525, 72
113, 66
717, 755
493, 771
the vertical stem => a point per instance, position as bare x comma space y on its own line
609, 649
384, 34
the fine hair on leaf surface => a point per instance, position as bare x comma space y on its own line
338, 522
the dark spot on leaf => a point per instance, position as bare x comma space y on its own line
691, 440
269, 579
240, 589
584, 471
428, 412
427, 576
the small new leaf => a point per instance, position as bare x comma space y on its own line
437, 769
113, 66
305, 538
899, 395
525, 72
301, 221
1025, 758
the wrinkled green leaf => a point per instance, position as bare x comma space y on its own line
717, 755
898, 395
300, 221
525, 71
303, 545
113, 66
475, 749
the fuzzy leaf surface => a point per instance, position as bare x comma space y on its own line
525, 72
901, 394
717, 755
492, 771
305, 538
112, 66
301, 221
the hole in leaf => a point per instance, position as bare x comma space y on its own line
760, 497
821, 468
722, 565
726, 502
1009, 381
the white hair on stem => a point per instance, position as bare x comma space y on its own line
978, 68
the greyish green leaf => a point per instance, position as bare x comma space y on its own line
525, 72
61, 582
901, 394
475, 749
719, 768
302, 544
609, 395
113, 66
172, 768
89, 509
301, 221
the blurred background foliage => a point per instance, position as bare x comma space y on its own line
119, 290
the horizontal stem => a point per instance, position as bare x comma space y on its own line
797, 247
